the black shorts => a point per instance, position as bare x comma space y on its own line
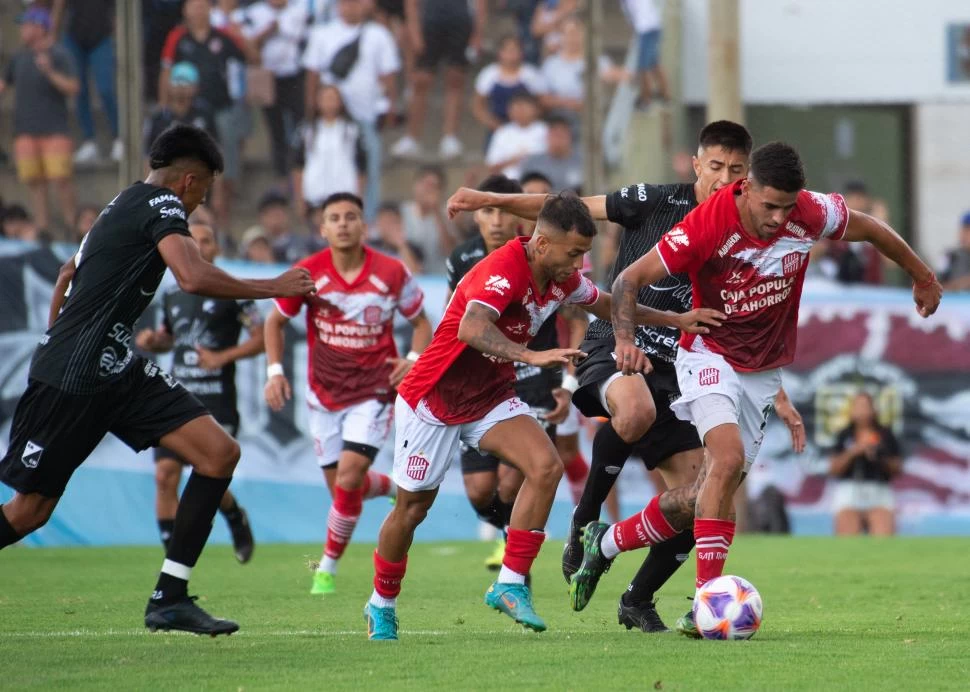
53, 432
668, 435
445, 42
166, 453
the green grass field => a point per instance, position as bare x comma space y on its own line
839, 614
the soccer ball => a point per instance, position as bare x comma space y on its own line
727, 607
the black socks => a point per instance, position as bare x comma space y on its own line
610, 452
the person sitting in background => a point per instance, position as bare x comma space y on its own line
389, 238
425, 221
182, 105
645, 19
547, 23
955, 269
328, 152
87, 214
859, 262
274, 218
866, 458
255, 246
498, 82
561, 164
17, 224
516, 140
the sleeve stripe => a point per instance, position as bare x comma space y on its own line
482, 302
283, 310
663, 261
418, 307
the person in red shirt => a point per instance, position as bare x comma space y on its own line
460, 390
746, 251
353, 364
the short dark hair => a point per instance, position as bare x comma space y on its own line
855, 187
430, 169
15, 212
727, 134
500, 184
777, 165
272, 198
523, 95
535, 177
389, 208
556, 120
342, 197
181, 141
567, 212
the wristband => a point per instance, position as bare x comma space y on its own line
928, 282
412, 356
570, 383
274, 369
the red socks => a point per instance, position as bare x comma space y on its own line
344, 513
576, 472
649, 527
376, 485
388, 576
713, 538
521, 549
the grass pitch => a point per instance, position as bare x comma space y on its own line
839, 614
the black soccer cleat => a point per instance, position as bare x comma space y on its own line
242, 537
643, 616
572, 551
582, 586
185, 616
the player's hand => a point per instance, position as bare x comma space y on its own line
694, 322
554, 357
277, 392
630, 359
559, 414
927, 296
400, 367
209, 359
466, 199
294, 282
145, 340
792, 419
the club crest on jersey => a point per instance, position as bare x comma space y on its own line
791, 263
417, 467
497, 283
31, 455
677, 237
709, 376
373, 314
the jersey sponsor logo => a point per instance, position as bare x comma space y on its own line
791, 263
678, 202
161, 199
517, 328
728, 244
558, 294
708, 376
515, 403
169, 212
795, 229
735, 278
110, 363
417, 467
677, 237
31, 456
497, 283
624, 192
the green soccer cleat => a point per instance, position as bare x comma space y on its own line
582, 586
323, 584
381, 623
493, 563
685, 625
515, 600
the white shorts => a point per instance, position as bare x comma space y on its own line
570, 426
713, 393
862, 496
605, 385
424, 446
367, 423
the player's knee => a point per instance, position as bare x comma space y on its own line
29, 516
167, 477
632, 422
226, 456
547, 470
480, 497
415, 513
727, 465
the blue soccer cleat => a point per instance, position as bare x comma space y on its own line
381, 623
515, 600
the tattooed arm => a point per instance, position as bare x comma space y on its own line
478, 330
692, 321
646, 270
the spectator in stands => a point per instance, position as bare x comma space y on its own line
389, 238
516, 140
159, 17
859, 262
499, 81
279, 42
563, 72
255, 246
328, 152
87, 214
89, 36
645, 19
547, 23
533, 183
182, 105
274, 220
425, 221
44, 77
439, 31
212, 51
865, 459
362, 60
561, 163
955, 270
17, 224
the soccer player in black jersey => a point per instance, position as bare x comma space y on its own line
204, 334
639, 406
85, 381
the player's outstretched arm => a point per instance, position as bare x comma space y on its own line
927, 291
477, 329
277, 390
522, 205
696, 321
646, 270
64, 277
420, 339
195, 275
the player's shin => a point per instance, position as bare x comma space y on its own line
610, 452
647, 527
341, 522
660, 564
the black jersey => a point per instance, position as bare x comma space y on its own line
532, 384
646, 212
118, 269
214, 324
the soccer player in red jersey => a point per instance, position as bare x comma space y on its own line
460, 390
746, 251
353, 366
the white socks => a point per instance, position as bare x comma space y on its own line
507, 576
608, 545
379, 601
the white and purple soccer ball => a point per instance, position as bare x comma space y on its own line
727, 607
